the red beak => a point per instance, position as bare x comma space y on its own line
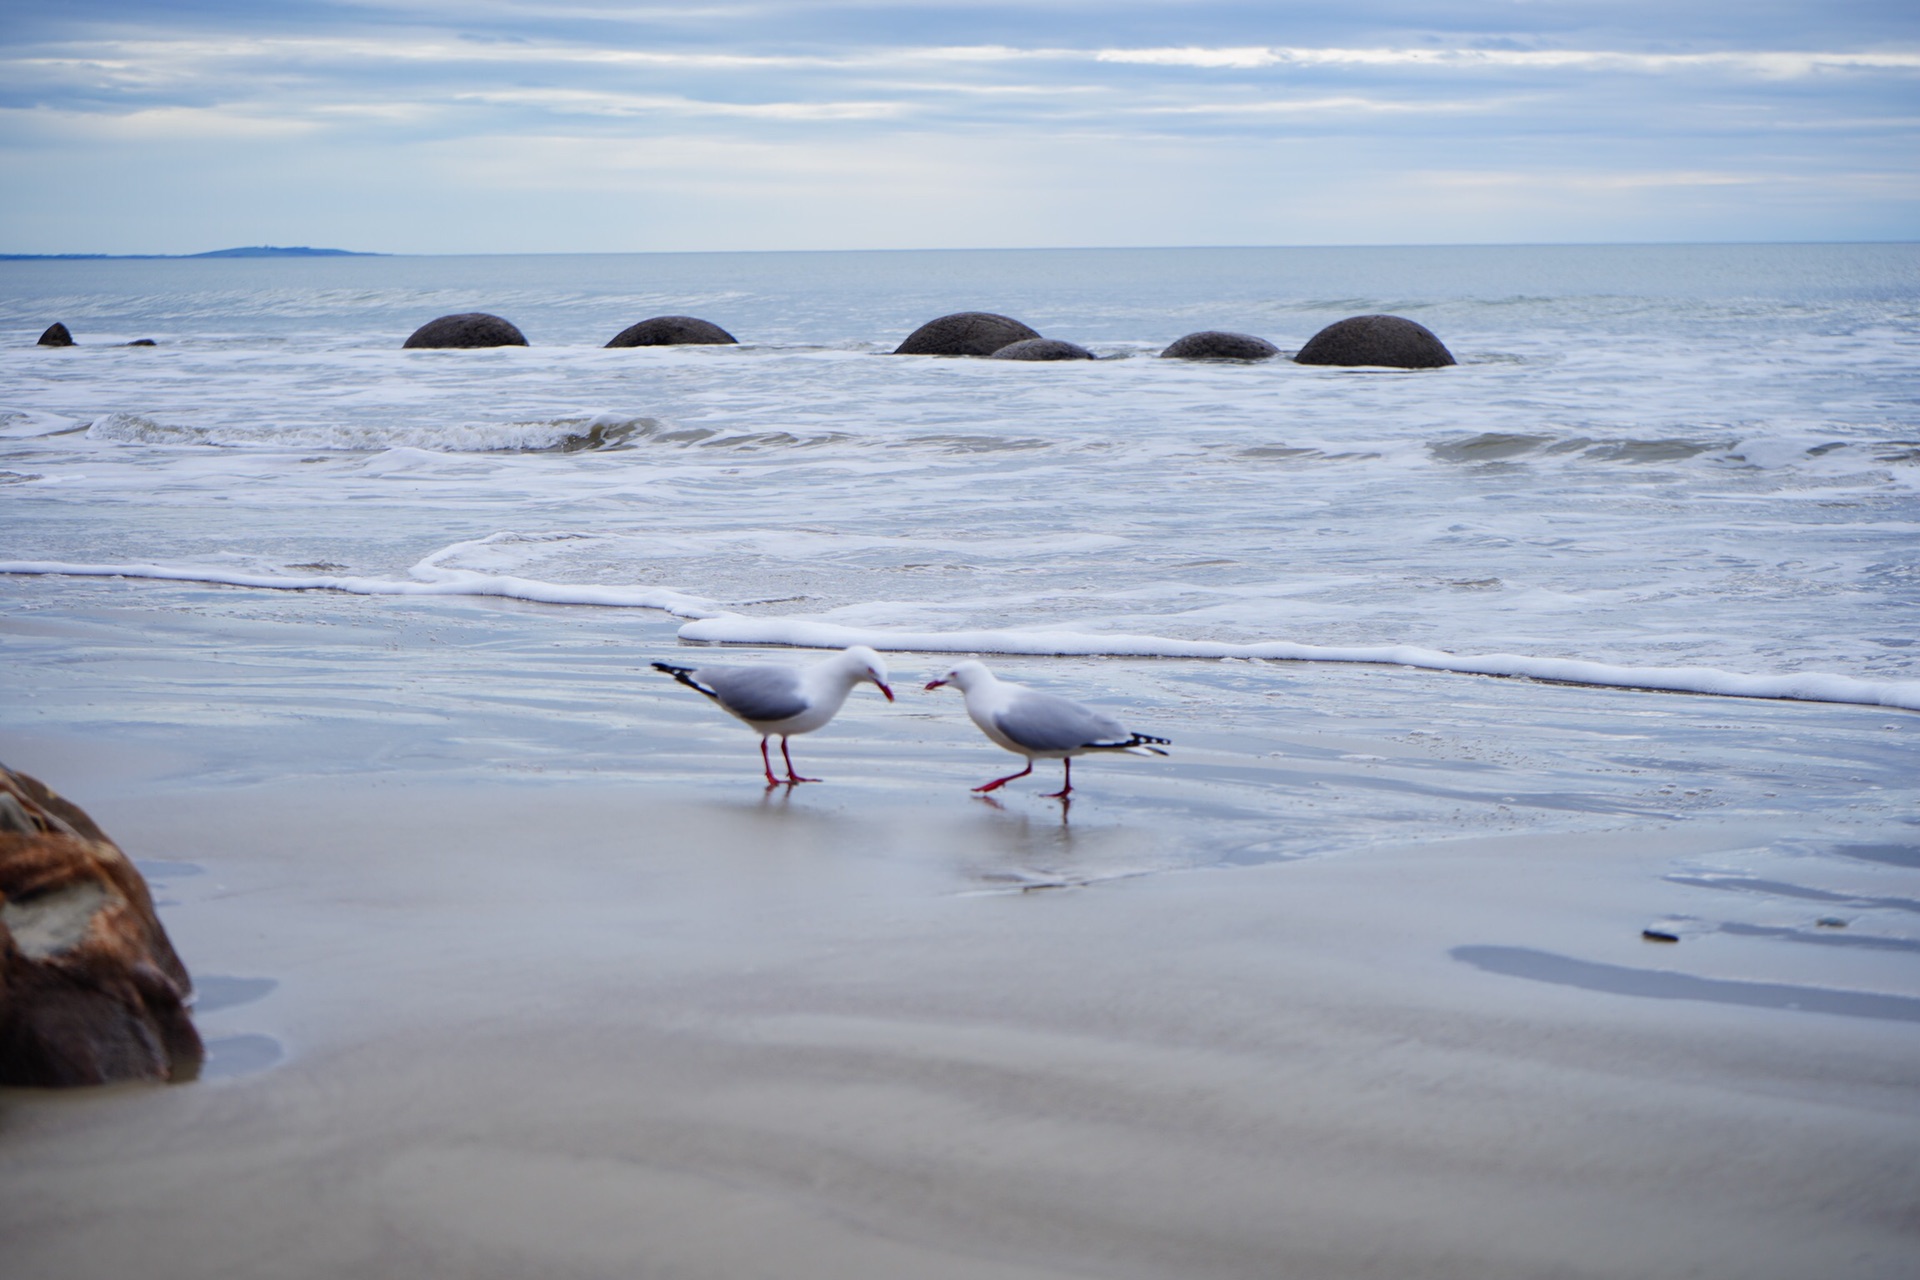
885, 690
935, 684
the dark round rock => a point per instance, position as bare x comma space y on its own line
964, 333
672, 331
1217, 344
468, 329
143, 342
1042, 349
1390, 341
56, 336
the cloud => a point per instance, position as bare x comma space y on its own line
1770, 64
590, 102
1278, 114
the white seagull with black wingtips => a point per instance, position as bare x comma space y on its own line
1040, 726
781, 699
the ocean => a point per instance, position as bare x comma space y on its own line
1687, 469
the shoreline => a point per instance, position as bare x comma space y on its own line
509, 965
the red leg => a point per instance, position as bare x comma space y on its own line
767, 764
1064, 791
792, 777
998, 783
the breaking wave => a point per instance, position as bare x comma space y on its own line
711, 622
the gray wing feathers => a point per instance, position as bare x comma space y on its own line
755, 693
1043, 722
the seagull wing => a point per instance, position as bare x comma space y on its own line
1045, 722
761, 694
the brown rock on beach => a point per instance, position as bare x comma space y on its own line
91, 991
965, 333
1218, 344
673, 331
1042, 349
1393, 342
467, 329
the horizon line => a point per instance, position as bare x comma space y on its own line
302, 251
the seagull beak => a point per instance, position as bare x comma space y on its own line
884, 690
935, 684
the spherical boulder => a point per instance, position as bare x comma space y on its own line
1042, 349
468, 329
1218, 344
672, 331
964, 333
91, 990
56, 336
1390, 341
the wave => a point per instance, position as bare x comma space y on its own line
429, 578
726, 628
712, 622
556, 435
1768, 453
21, 424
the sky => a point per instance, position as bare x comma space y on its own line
510, 126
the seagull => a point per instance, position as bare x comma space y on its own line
1039, 726
784, 699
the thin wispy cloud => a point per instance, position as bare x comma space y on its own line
1085, 123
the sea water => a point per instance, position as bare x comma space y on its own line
1672, 457
1667, 468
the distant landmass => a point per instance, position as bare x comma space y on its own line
249, 251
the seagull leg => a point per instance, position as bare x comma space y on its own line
792, 777
998, 783
1066, 790
767, 764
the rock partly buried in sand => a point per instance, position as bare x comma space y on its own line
468, 329
672, 331
964, 333
1042, 349
143, 342
56, 336
1218, 344
1391, 341
91, 991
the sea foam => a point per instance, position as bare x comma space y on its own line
712, 623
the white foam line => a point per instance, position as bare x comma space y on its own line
1808, 687
446, 582
712, 625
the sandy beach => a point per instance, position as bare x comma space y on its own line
498, 994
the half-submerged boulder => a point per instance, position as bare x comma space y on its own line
965, 333
91, 991
1391, 341
672, 331
468, 329
1218, 344
56, 336
1042, 349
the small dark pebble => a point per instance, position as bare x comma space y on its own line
143, 342
1831, 922
1654, 935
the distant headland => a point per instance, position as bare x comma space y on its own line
249, 251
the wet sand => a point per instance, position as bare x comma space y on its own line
508, 1018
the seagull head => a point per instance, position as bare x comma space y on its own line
967, 675
869, 666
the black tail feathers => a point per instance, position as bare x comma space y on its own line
1144, 741
685, 676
